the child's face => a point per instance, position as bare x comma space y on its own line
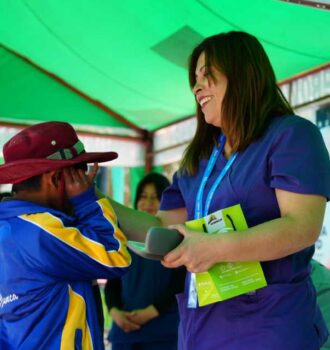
57, 193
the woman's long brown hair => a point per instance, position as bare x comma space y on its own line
252, 97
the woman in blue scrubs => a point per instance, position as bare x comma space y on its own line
249, 149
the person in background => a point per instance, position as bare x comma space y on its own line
55, 238
249, 149
142, 303
321, 279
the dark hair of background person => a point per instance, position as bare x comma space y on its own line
158, 180
251, 99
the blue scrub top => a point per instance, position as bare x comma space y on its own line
290, 155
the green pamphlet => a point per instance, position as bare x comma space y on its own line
228, 279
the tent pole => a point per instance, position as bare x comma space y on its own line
149, 155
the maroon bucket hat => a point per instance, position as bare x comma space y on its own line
45, 147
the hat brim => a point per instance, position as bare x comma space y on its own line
139, 248
20, 170
159, 242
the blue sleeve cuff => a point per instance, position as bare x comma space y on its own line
82, 198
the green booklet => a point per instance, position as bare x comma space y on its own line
226, 280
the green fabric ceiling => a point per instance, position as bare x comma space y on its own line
131, 55
24, 88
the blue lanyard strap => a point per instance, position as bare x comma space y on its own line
217, 182
199, 212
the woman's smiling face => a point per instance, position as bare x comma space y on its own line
209, 91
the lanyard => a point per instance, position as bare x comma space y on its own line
199, 212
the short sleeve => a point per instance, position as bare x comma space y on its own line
299, 161
172, 197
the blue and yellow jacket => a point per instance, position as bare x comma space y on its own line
47, 262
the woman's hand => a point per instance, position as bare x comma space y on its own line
77, 181
298, 228
142, 316
195, 251
123, 321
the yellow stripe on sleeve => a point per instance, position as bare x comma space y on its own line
74, 238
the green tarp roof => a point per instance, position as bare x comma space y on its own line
128, 58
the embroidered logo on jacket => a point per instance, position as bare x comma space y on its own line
7, 299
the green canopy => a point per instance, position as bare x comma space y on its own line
119, 66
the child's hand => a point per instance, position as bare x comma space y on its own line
77, 181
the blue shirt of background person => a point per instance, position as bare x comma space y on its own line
280, 177
142, 303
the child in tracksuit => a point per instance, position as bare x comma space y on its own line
55, 238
